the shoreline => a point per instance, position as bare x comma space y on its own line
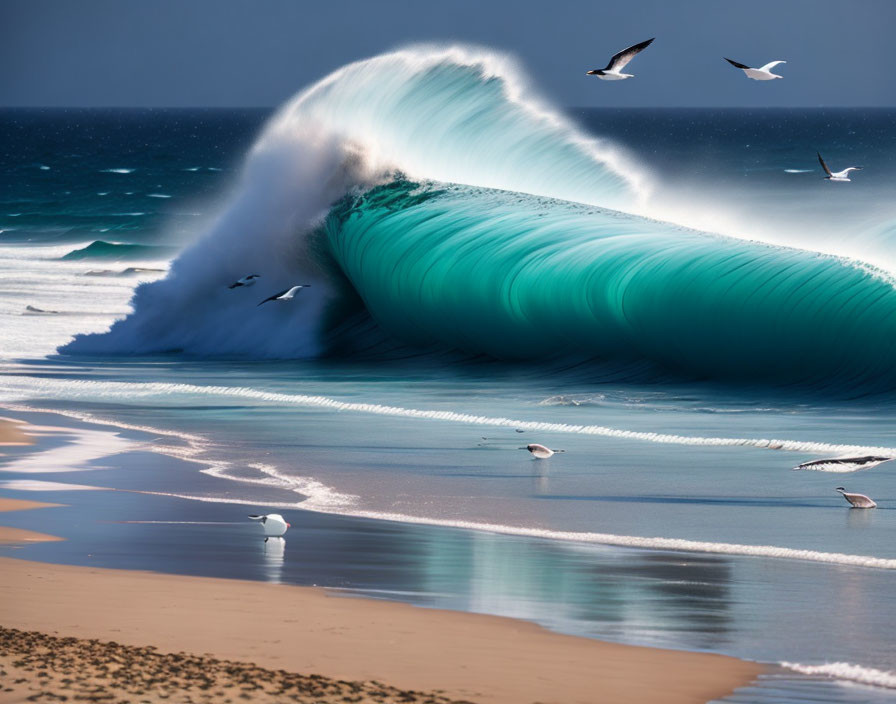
22, 535
455, 655
12, 433
311, 631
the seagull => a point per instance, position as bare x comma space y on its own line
286, 294
613, 71
273, 524
864, 462
759, 74
540, 452
245, 281
839, 175
857, 500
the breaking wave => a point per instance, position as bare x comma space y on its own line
435, 203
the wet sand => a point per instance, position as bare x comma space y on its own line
309, 631
12, 432
20, 535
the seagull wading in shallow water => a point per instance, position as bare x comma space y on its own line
540, 452
613, 71
245, 281
286, 294
839, 175
857, 500
759, 74
274, 525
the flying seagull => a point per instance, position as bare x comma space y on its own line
613, 71
864, 462
540, 452
273, 524
857, 500
839, 175
759, 74
245, 281
286, 294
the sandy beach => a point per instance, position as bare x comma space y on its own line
309, 631
11, 433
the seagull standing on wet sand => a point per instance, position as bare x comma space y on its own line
837, 175
857, 500
540, 452
274, 524
764, 73
613, 70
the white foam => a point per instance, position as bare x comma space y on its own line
158, 195
38, 485
325, 499
847, 671
130, 390
118, 171
83, 447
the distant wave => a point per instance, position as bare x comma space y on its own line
846, 671
118, 171
116, 251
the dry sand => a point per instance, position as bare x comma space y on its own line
13, 432
304, 630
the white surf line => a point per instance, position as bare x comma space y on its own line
82, 448
39, 485
321, 498
132, 389
846, 671
317, 503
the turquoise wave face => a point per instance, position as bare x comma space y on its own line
520, 277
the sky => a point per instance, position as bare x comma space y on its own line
234, 53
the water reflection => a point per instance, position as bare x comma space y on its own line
859, 517
274, 549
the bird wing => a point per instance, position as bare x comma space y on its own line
771, 64
853, 168
256, 517
823, 165
235, 284
735, 64
274, 297
618, 62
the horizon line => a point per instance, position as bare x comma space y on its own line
568, 107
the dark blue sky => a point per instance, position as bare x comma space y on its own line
258, 53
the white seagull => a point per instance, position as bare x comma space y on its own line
245, 281
839, 175
286, 294
540, 452
857, 500
273, 524
763, 73
613, 71
863, 462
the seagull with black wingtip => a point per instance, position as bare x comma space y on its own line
286, 294
613, 70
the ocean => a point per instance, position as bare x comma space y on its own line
675, 298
